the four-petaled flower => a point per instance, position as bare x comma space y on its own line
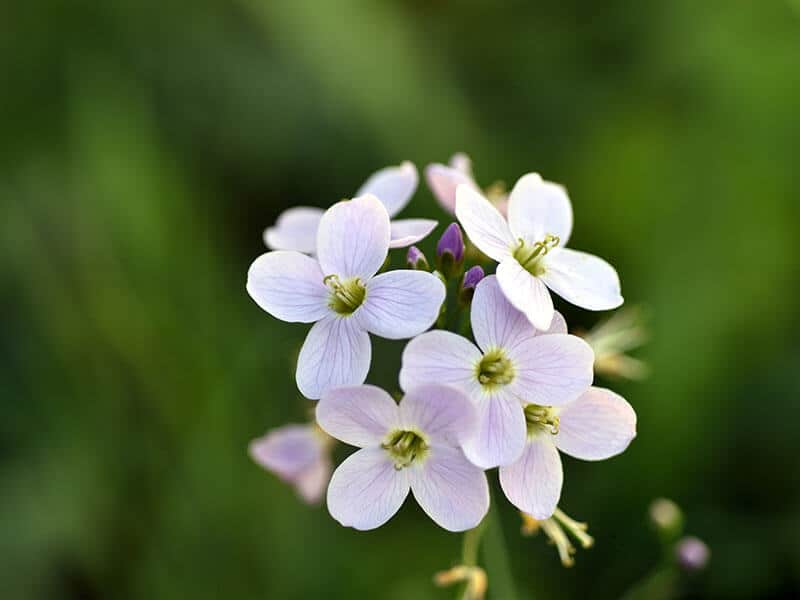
296, 227
597, 425
512, 366
298, 454
415, 446
339, 292
530, 247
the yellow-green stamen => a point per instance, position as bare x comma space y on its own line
541, 418
494, 369
529, 255
345, 296
405, 447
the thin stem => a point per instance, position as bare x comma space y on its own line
471, 544
495, 555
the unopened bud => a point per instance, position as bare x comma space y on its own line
415, 259
692, 554
667, 518
450, 251
472, 277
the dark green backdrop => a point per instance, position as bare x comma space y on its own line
145, 145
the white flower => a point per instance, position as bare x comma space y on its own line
340, 293
298, 454
443, 180
530, 247
296, 228
597, 425
512, 365
414, 446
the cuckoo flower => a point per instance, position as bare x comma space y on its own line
415, 446
530, 247
296, 228
298, 454
339, 292
597, 425
443, 180
513, 365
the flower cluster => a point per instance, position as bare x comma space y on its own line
498, 381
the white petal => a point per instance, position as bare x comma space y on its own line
366, 490
558, 325
551, 370
312, 483
526, 293
287, 451
451, 490
444, 180
485, 226
405, 232
288, 285
537, 207
461, 162
359, 415
582, 279
495, 322
444, 414
336, 352
440, 357
393, 186
401, 304
295, 229
533, 483
596, 426
353, 238
500, 434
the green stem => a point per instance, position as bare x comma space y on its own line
498, 569
471, 544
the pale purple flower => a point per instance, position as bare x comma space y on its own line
597, 425
530, 247
444, 179
414, 446
339, 292
512, 366
299, 455
296, 228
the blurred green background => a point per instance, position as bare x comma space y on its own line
145, 145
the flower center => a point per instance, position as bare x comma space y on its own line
405, 447
529, 256
541, 419
494, 369
345, 296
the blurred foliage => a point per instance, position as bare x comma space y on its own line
145, 145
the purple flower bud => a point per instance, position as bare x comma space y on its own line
692, 554
472, 277
451, 241
415, 259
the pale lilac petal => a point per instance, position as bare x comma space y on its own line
393, 186
288, 451
366, 490
551, 370
460, 161
401, 304
582, 279
495, 322
336, 352
312, 483
526, 293
500, 434
533, 483
288, 285
485, 226
444, 414
353, 238
441, 357
359, 415
452, 491
596, 426
558, 325
443, 182
405, 232
295, 229
537, 207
